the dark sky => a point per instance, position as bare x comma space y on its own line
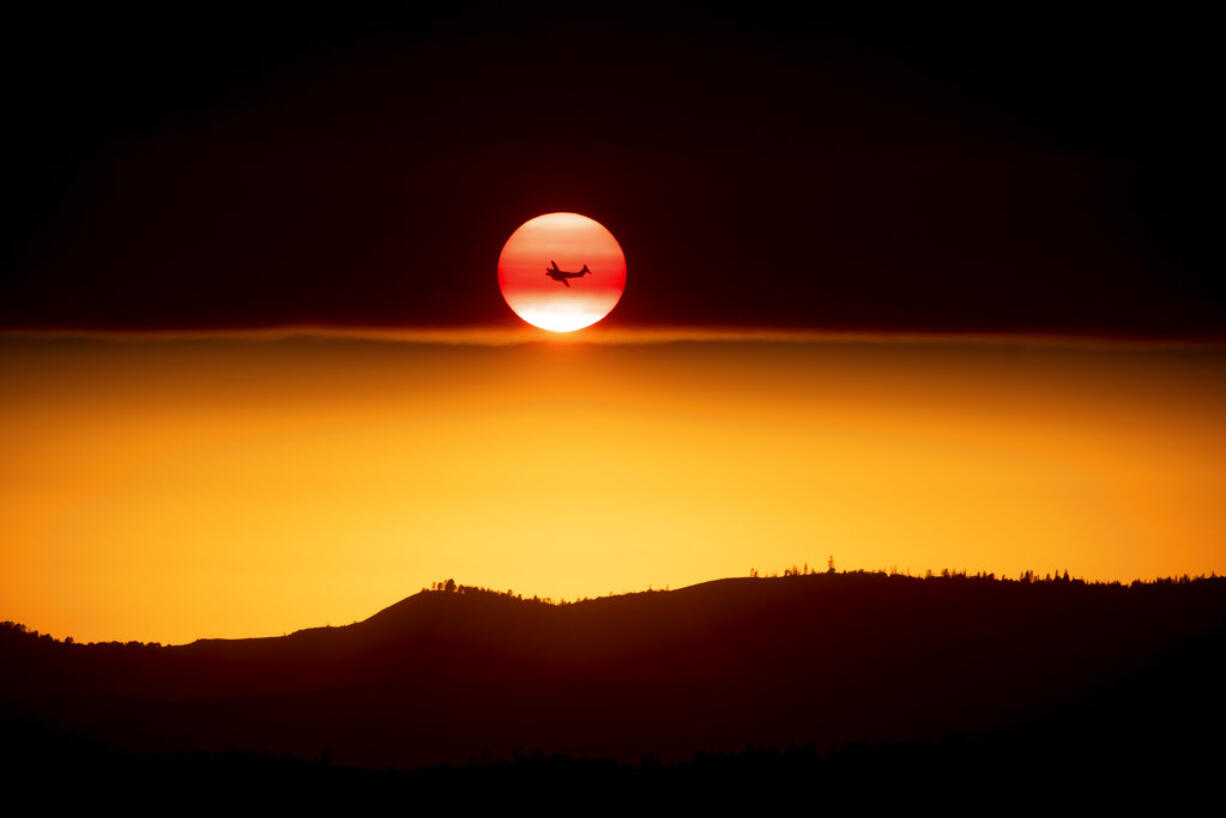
212, 166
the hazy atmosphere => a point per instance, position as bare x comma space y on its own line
482, 404
166, 490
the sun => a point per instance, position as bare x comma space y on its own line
562, 271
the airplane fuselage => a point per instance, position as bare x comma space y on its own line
562, 276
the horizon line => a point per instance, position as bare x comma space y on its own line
501, 336
1027, 577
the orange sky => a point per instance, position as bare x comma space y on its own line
172, 489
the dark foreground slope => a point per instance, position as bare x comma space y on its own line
821, 660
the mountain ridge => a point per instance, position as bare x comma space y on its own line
442, 676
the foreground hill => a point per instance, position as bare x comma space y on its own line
818, 659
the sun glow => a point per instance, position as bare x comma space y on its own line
171, 490
562, 272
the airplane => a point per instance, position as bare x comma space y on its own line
561, 275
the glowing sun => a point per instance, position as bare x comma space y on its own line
562, 271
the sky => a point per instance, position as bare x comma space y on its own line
916, 291
245, 486
211, 165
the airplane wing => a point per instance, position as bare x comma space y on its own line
567, 283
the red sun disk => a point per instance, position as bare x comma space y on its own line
562, 303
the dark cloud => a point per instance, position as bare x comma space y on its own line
222, 167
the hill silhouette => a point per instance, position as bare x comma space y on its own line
813, 660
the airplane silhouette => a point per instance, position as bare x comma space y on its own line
561, 275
